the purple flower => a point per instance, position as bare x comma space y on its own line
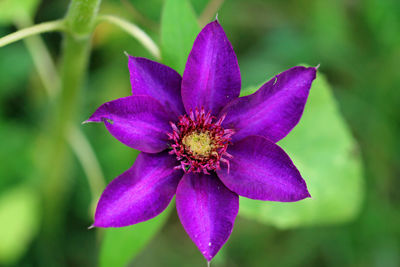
202, 142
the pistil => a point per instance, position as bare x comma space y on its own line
200, 142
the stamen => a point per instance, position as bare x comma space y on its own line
199, 143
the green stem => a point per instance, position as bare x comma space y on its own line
135, 31
81, 17
90, 165
51, 81
50, 26
79, 24
41, 57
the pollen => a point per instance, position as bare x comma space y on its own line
198, 143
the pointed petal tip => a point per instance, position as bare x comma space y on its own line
308, 68
140, 193
209, 226
306, 190
300, 197
130, 57
216, 22
143, 60
135, 58
273, 117
157, 80
211, 78
209, 255
306, 194
92, 120
276, 178
139, 122
314, 71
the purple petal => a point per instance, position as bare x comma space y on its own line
207, 210
261, 170
140, 193
137, 121
211, 78
274, 109
157, 80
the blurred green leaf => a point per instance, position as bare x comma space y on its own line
329, 25
325, 153
16, 60
149, 9
199, 5
15, 152
10, 10
121, 245
19, 220
384, 21
179, 28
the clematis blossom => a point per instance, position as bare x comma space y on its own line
202, 142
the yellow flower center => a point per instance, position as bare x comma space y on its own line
199, 143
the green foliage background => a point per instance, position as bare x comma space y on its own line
347, 145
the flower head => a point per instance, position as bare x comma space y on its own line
202, 142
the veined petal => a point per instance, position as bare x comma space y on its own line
207, 210
157, 80
140, 193
274, 109
211, 78
139, 122
261, 170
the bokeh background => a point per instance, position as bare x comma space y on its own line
357, 42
